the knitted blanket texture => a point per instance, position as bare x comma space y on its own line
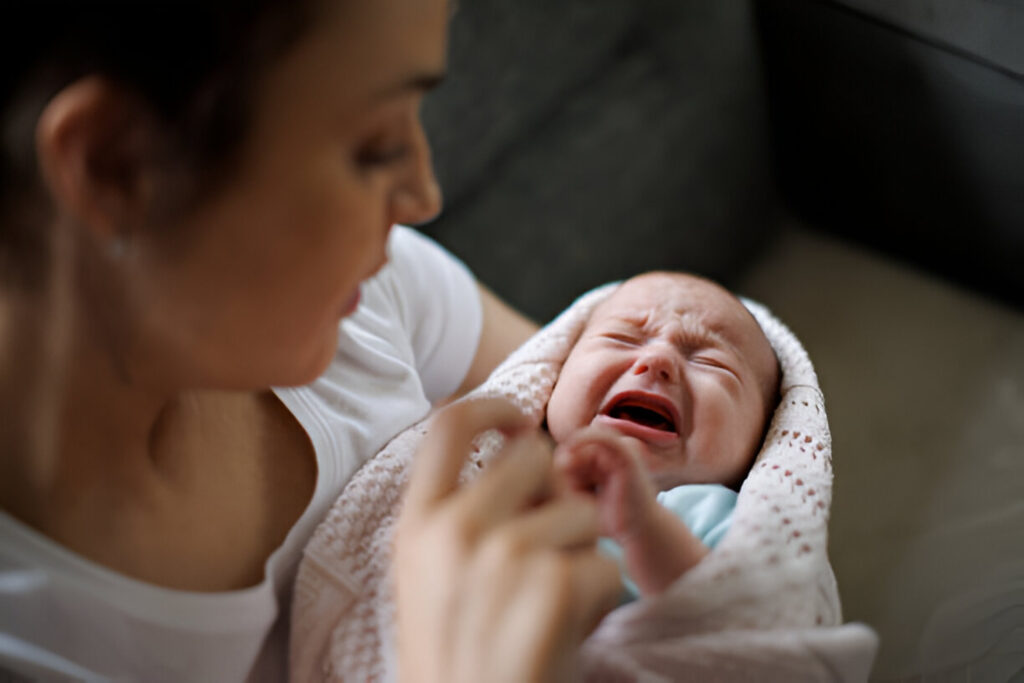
762, 606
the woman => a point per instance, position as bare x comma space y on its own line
193, 197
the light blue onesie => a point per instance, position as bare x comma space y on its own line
705, 508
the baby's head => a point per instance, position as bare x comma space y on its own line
677, 362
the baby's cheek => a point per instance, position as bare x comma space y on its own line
555, 418
563, 412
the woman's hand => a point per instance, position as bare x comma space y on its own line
491, 586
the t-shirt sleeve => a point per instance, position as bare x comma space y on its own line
439, 303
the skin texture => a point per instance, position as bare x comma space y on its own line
166, 457
690, 349
521, 579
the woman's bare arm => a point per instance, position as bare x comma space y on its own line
504, 330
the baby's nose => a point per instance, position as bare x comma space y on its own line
659, 365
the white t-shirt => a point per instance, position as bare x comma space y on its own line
63, 617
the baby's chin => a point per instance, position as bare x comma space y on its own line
664, 481
665, 474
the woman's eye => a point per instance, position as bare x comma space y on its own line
374, 157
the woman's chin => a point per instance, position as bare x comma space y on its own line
315, 362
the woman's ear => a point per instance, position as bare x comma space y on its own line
95, 144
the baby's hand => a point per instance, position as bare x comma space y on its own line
602, 462
657, 546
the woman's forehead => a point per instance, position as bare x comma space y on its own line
371, 50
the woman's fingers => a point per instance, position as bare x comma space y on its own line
567, 523
597, 589
518, 476
546, 588
487, 586
558, 600
444, 450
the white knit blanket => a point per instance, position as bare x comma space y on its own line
762, 606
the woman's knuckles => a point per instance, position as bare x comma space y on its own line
501, 549
551, 577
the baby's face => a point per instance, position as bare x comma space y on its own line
679, 364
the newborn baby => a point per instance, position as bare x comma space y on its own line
659, 387
669, 388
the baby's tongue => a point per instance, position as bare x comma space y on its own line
642, 416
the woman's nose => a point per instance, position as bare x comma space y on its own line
659, 365
417, 197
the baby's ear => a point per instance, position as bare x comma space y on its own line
96, 144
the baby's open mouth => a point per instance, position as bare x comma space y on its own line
649, 417
647, 411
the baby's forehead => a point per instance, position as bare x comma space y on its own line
672, 295
701, 307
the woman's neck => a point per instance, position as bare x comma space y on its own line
73, 424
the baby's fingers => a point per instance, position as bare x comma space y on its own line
578, 467
606, 451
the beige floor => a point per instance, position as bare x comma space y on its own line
924, 385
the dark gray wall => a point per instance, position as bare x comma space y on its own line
889, 136
582, 141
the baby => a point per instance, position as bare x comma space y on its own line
665, 394
669, 388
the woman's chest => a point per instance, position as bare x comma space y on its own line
229, 490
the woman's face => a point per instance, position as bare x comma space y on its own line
335, 156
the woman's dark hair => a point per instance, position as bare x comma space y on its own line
194, 63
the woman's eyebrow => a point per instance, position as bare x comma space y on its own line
417, 82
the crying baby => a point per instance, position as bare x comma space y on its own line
658, 412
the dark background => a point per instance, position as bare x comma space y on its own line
588, 140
